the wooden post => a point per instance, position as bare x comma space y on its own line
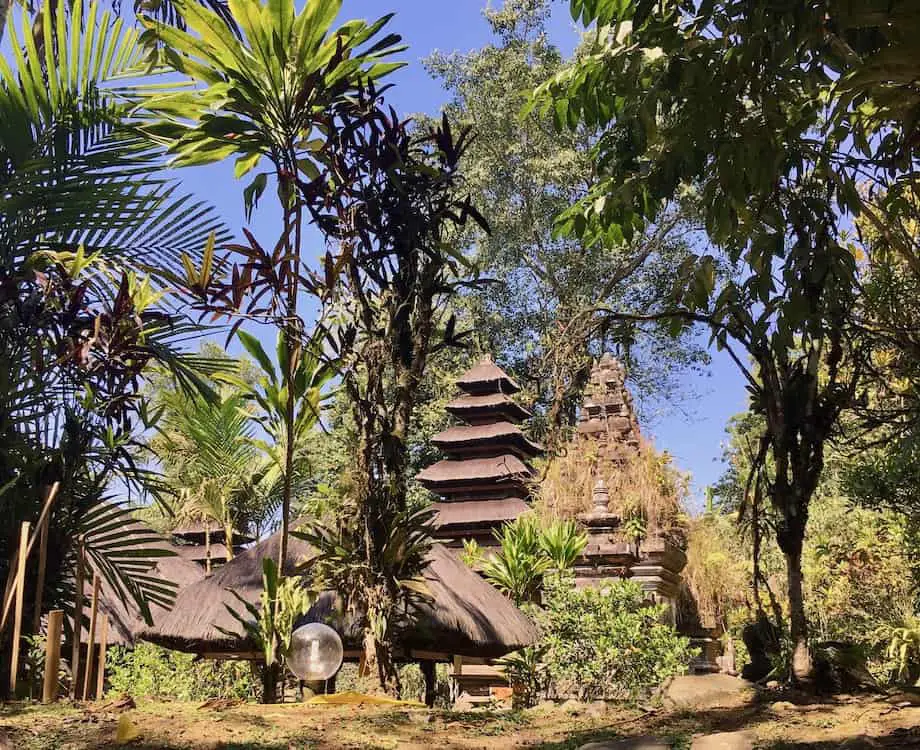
77, 622
53, 655
429, 672
20, 586
100, 669
455, 680
90, 644
46, 510
40, 580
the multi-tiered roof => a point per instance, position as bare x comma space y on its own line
193, 542
482, 482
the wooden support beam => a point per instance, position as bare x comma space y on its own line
90, 645
40, 579
53, 655
20, 592
77, 620
100, 670
429, 672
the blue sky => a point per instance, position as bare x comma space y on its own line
692, 430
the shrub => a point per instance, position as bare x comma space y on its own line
607, 642
528, 550
153, 672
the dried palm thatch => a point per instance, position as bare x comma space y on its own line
464, 615
643, 485
125, 618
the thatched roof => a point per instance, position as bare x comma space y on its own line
488, 406
199, 552
467, 439
506, 467
125, 619
487, 377
465, 616
477, 514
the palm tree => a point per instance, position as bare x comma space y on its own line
90, 233
211, 462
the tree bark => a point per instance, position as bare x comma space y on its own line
270, 683
798, 623
429, 672
378, 657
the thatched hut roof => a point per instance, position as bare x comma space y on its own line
465, 615
125, 619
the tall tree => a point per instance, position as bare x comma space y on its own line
389, 280
540, 317
802, 115
265, 95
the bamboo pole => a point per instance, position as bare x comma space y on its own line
90, 644
40, 580
46, 510
53, 655
100, 669
20, 587
77, 622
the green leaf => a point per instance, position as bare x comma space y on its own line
254, 348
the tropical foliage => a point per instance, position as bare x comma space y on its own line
858, 562
772, 162
529, 550
607, 642
90, 230
270, 625
266, 94
152, 672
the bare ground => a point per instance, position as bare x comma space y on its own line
846, 722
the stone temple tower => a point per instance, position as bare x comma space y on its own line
607, 415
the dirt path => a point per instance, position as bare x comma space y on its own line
853, 723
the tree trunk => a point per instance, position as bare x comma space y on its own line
798, 623
228, 540
429, 672
270, 683
378, 658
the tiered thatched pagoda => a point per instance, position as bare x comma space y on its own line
482, 482
203, 543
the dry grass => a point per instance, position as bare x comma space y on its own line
718, 572
889, 721
645, 486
